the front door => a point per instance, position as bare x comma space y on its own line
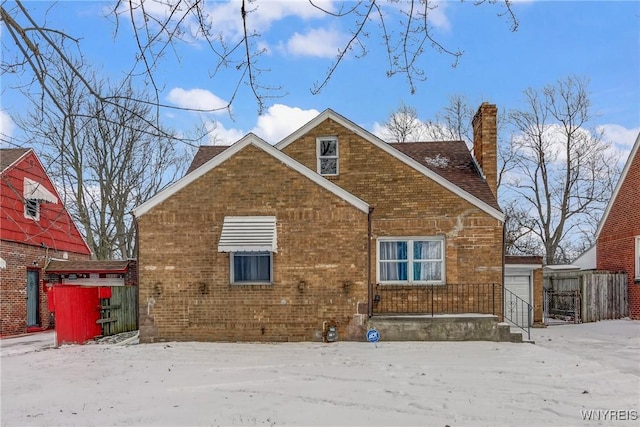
33, 297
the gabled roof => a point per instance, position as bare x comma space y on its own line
491, 208
634, 152
10, 156
259, 143
453, 161
204, 154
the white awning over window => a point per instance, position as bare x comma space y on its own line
35, 191
248, 234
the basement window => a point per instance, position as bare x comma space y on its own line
328, 161
418, 260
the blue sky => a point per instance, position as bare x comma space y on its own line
597, 40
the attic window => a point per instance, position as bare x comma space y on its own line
34, 194
32, 209
327, 156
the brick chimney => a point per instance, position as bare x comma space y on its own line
485, 143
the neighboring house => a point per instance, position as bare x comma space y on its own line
587, 260
618, 234
34, 227
318, 233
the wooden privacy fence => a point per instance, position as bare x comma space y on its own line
603, 295
120, 312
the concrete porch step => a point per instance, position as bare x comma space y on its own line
461, 327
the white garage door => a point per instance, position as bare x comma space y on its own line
515, 311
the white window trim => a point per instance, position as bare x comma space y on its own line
319, 157
410, 261
637, 258
35, 217
232, 272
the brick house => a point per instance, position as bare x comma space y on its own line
34, 227
618, 234
325, 229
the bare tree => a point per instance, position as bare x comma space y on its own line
564, 172
453, 123
103, 158
403, 125
403, 27
518, 238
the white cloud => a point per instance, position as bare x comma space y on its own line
619, 135
321, 43
200, 99
225, 16
436, 13
620, 138
437, 16
219, 135
6, 126
380, 131
280, 121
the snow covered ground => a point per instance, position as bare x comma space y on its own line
571, 368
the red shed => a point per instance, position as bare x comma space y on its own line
92, 298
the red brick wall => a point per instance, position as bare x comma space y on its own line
185, 290
13, 285
615, 249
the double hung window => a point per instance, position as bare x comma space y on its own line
328, 161
418, 260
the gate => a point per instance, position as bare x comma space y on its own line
561, 305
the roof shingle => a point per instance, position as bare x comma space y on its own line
9, 155
204, 154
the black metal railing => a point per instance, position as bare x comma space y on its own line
483, 298
517, 312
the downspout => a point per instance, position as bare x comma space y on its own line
137, 274
504, 257
369, 282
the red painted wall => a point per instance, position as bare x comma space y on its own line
615, 247
26, 243
55, 228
